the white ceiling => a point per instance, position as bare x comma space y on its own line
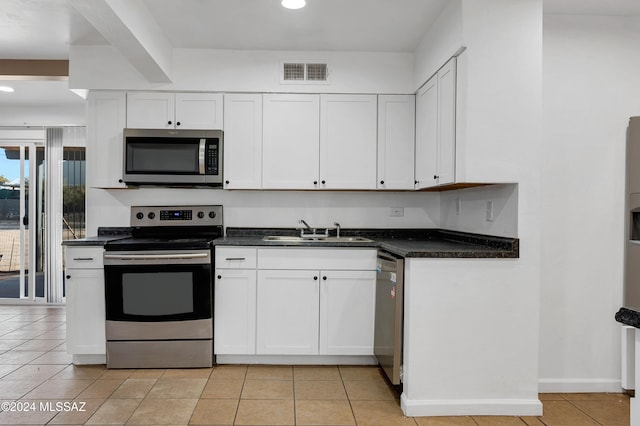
43, 29
360, 25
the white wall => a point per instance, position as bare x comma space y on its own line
282, 209
442, 40
590, 90
43, 116
465, 210
488, 315
102, 67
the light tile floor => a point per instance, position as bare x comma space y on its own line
42, 387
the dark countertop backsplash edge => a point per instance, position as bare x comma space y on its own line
509, 245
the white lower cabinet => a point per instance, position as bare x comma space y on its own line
288, 303
315, 301
347, 315
84, 286
294, 302
234, 314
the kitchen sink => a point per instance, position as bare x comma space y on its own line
316, 239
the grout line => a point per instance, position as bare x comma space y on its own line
244, 381
353, 413
295, 402
584, 412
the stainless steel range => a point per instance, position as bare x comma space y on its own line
158, 288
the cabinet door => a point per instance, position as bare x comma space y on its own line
287, 318
85, 311
291, 137
427, 134
235, 312
396, 141
199, 111
106, 118
243, 141
150, 110
347, 312
447, 123
348, 145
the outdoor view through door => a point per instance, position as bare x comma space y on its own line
18, 197
23, 240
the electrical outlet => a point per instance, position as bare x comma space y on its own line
489, 211
458, 206
396, 212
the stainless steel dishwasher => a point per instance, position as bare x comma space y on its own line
389, 314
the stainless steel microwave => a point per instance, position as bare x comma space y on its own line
172, 157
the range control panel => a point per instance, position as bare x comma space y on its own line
176, 215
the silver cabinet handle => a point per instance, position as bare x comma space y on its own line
235, 258
87, 259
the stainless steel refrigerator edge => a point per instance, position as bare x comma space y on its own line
632, 217
388, 336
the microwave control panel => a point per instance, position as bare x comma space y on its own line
212, 156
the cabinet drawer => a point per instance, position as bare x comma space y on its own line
317, 258
235, 257
84, 257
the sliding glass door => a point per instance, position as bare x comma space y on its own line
20, 252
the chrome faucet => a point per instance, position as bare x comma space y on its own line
310, 229
337, 225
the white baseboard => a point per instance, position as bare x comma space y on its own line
579, 385
471, 407
297, 359
89, 359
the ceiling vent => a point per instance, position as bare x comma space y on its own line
300, 72
293, 72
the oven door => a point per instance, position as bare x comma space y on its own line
158, 286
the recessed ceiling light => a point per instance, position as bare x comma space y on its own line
293, 4
6, 89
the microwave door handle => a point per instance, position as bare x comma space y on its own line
201, 155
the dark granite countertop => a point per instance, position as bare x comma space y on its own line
628, 316
427, 243
104, 236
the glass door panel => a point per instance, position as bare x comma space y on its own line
17, 243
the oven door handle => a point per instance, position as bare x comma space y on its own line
185, 256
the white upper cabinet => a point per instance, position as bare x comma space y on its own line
319, 141
291, 138
243, 141
426, 157
106, 116
162, 110
348, 127
435, 129
447, 123
396, 141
